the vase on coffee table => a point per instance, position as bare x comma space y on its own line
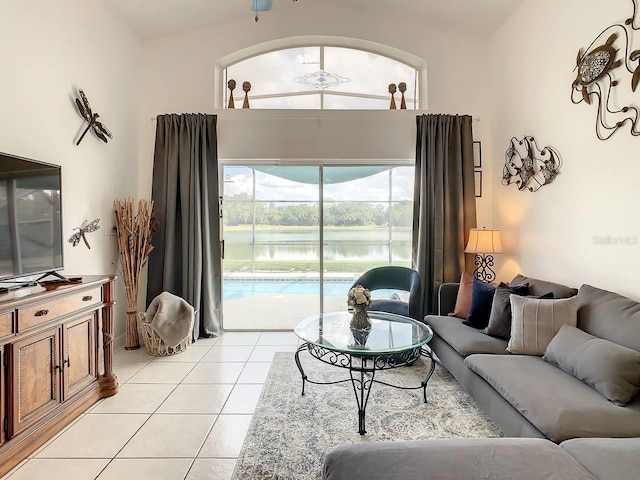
360, 326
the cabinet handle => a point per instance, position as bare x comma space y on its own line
42, 313
59, 368
87, 298
68, 362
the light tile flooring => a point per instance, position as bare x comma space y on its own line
174, 418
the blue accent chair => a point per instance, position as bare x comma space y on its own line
395, 278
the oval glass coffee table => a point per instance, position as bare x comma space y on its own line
393, 341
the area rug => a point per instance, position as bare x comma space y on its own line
290, 434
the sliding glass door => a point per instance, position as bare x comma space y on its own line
297, 236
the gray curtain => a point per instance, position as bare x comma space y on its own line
444, 201
186, 259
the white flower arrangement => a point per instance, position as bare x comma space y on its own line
359, 298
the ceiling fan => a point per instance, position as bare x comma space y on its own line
261, 6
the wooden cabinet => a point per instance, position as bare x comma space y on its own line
36, 374
49, 374
3, 419
79, 354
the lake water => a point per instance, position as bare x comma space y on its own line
368, 244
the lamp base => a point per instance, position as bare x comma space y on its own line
483, 271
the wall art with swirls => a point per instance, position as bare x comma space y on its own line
599, 72
529, 166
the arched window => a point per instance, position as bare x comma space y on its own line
322, 77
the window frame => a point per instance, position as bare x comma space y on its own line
418, 99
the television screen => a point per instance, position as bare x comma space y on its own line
30, 217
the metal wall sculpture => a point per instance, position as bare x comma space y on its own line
599, 72
528, 166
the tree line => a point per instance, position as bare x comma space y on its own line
239, 210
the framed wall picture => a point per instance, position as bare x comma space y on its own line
477, 154
478, 183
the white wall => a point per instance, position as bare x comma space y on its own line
47, 51
550, 234
178, 75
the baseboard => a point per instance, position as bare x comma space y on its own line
119, 342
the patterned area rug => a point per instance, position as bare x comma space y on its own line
290, 433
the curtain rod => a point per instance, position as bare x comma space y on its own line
153, 119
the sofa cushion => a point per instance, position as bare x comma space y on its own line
610, 316
453, 459
463, 299
540, 287
607, 458
480, 304
500, 318
613, 370
463, 339
536, 321
557, 404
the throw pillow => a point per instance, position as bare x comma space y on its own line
463, 300
481, 300
613, 370
540, 287
536, 321
499, 325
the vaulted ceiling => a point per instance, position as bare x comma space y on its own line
149, 19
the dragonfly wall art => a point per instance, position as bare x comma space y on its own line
86, 227
99, 129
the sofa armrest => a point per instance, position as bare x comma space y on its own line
606, 458
447, 295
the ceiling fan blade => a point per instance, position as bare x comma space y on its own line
261, 5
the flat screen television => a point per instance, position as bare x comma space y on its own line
30, 217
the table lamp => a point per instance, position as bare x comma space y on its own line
484, 243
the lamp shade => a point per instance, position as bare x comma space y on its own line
484, 241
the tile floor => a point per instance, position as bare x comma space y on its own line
174, 418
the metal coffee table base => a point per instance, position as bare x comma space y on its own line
362, 370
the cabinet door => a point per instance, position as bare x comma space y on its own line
79, 359
36, 378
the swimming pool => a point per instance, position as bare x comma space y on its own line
240, 288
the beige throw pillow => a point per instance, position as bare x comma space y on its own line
536, 321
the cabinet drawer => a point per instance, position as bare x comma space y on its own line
44, 312
6, 324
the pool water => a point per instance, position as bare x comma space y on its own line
232, 288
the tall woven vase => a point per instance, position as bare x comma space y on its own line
132, 341
135, 228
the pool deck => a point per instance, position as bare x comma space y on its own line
279, 311
275, 312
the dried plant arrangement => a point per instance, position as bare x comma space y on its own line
134, 231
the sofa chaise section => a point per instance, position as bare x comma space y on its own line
557, 404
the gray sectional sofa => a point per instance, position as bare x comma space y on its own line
487, 459
526, 397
